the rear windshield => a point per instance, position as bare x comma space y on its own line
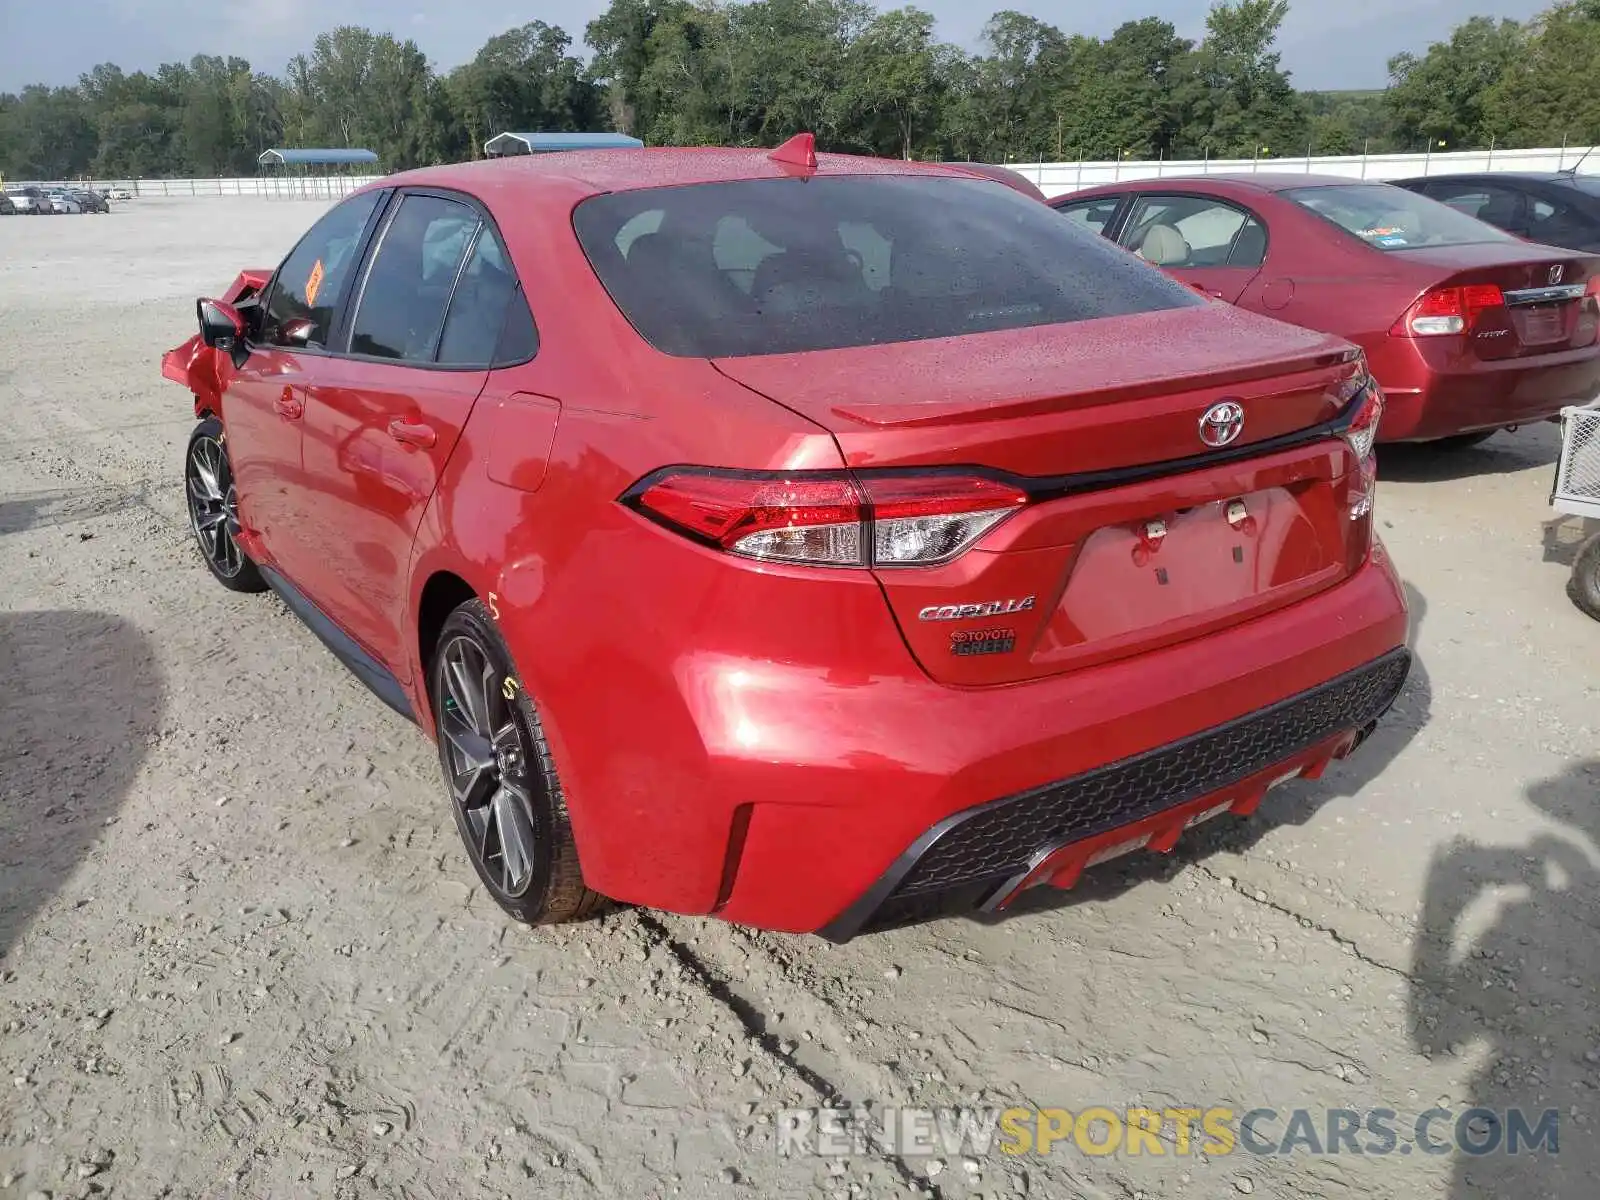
1391, 218
776, 266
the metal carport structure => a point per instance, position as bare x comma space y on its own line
304, 172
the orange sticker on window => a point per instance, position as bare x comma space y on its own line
314, 284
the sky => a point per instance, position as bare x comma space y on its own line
1326, 44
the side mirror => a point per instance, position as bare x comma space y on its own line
221, 325
297, 332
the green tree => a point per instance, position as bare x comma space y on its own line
523, 79
1121, 95
1442, 96
1547, 95
46, 134
890, 101
1239, 101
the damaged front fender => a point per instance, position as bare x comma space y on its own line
204, 371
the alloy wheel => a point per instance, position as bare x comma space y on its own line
214, 506
487, 759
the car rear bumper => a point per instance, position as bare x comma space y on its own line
785, 795
985, 857
1427, 400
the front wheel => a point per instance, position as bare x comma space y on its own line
214, 509
506, 796
1584, 587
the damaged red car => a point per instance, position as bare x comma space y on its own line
817, 542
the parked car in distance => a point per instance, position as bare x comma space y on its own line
117, 193
89, 200
813, 541
63, 202
31, 201
1555, 208
6, 207
1467, 329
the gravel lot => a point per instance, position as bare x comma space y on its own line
241, 954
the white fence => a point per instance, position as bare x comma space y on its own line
1052, 178
287, 187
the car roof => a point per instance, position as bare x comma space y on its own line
1260, 181
1272, 181
596, 171
1529, 176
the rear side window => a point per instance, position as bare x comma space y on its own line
776, 266
1389, 218
413, 273
311, 283
483, 298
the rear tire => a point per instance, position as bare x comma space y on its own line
1462, 441
1584, 587
213, 504
505, 794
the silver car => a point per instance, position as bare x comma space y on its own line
31, 201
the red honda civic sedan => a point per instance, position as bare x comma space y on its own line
1468, 330
814, 543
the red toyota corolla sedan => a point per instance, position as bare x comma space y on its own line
817, 544
1468, 329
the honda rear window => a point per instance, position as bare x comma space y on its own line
1392, 218
775, 266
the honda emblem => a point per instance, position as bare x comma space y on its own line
1555, 274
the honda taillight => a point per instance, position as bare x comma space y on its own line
829, 518
1447, 310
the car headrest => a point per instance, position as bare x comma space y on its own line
1164, 246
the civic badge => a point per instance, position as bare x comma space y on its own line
1555, 274
1222, 424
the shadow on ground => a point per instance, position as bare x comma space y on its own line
59, 506
82, 696
1528, 448
1564, 536
1507, 958
1296, 803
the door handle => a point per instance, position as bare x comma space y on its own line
412, 433
289, 405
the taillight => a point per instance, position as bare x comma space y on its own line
828, 518
1362, 435
1447, 310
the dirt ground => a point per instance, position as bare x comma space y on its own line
242, 955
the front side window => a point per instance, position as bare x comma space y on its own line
773, 266
311, 283
1194, 231
1393, 219
413, 273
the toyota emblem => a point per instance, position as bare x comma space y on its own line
1555, 274
1222, 424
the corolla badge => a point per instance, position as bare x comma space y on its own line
1222, 424
968, 612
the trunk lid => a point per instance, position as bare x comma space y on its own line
1547, 307
1138, 534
